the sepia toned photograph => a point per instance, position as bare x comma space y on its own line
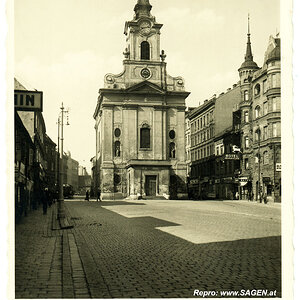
147, 140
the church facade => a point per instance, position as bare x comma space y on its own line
140, 120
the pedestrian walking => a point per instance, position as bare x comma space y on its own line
237, 196
87, 196
98, 195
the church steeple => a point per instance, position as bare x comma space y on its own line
248, 63
142, 9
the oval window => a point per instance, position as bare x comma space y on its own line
117, 132
172, 134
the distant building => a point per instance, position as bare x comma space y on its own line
84, 181
70, 171
140, 120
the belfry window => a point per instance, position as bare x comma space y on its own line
145, 138
145, 50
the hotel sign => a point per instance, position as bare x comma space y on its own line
232, 156
28, 100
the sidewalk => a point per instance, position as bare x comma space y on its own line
47, 264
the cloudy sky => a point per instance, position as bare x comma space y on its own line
64, 48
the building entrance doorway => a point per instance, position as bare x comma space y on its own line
150, 185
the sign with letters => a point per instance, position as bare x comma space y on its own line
28, 100
278, 167
232, 156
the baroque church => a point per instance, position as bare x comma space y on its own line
140, 120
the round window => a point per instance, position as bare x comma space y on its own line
117, 132
172, 134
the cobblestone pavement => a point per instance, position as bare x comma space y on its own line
153, 249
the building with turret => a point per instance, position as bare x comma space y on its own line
261, 127
140, 120
245, 131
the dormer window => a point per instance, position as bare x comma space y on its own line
145, 50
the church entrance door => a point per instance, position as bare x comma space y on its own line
150, 185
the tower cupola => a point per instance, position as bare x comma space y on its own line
248, 63
142, 9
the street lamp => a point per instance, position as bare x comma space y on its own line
61, 209
258, 156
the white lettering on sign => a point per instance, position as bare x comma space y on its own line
231, 156
28, 100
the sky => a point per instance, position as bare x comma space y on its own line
64, 48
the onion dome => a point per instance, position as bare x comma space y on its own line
275, 53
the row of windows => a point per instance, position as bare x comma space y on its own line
272, 130
271, 105
202, 153
202, 137
264, 160
274, 81
202, 122
117, 149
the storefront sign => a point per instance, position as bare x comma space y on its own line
278, 167
232, 156
194, 181
28, 100
243, 181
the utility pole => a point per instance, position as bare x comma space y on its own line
61, 215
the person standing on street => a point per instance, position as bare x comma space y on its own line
87, 196
98, 195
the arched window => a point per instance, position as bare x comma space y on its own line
172, 153
246, 116
117, 149
257, 111
246, 95
145, 138
145, 50
257, 90
246, 142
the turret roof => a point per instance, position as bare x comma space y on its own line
275, 53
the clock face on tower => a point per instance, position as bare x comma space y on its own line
145, 73
145, 27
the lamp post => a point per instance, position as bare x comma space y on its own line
61, 216
258, 156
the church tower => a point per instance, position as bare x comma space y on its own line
140, 118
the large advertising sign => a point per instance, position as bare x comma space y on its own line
28, 100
